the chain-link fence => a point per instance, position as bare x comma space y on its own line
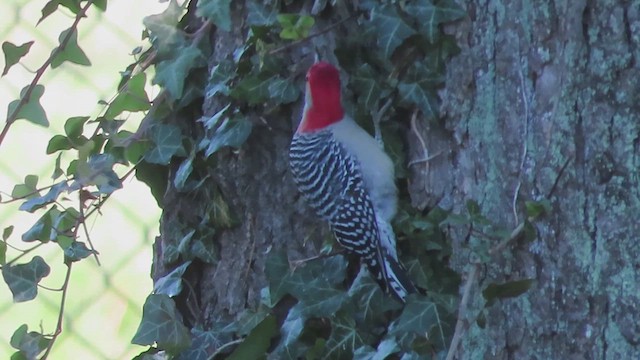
104, 302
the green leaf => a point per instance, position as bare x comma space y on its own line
369, 299
232, 132
390, 29
38, 202
23, 279
252, 89
536, 209
221, 214
165, 37
256, 344
428, 16
74, 126
171, 284
220, 76
218, 11
31, 344
71, 52
283, 91
295, 26
76, 252
3, 251
277, 271
185, 169
27, 190
48, 9
419, 317
205, 343
98, 171
131, 97
171, 73
290, 332
367, 86
7, 232
510, 289
58, 143
31, 110
41, 230
13, 54
161, 324
345, 338
168, 142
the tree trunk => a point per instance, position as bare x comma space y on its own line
542, 102
538, 105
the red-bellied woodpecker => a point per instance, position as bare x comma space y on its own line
348, 179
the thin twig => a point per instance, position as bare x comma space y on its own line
11, 118
223, 347
65, 289
377, 119
524, 146
471, 280
297, 42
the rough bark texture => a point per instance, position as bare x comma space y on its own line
536, 86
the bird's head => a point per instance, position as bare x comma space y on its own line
322, 98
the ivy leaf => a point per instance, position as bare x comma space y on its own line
27, 190
171, 284
31, 344
252, 89
76, 252
168, 142
13, 54
71, 51
58, 143
218, 11
171, 73
509, 289
131, 97
221, 214
166, 38
41, 230
391, 30
418, 88
537, 208
295, 26
185, 169
232, 132
283, 91
161, 324
290, 332
256, 344
205, 343
38, 202
368, 88
74, 126
419, 317
31, 110
23, 279
345, 338
3, 251
368, 297
429, 16
220, 76
277, 271
98, 171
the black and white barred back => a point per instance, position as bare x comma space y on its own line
324, 171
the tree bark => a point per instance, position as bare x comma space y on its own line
543, 100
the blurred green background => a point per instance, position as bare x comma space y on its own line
105, 302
